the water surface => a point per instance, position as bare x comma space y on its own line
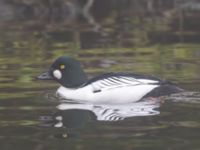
148, 37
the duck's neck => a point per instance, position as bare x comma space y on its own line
74, 79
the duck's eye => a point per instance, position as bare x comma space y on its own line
62, 67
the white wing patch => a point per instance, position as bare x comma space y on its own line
117, 82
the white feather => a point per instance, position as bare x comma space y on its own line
57, 74
147, 81
110, 90
122, 94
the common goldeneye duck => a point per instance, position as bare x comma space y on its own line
106, 88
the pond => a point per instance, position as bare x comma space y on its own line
159, 38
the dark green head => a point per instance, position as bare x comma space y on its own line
67, 71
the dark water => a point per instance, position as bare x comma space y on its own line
149, 37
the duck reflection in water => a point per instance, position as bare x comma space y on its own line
70, 120
117, 112
72, 116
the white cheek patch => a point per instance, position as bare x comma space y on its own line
57, 74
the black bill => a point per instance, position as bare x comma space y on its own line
45, 76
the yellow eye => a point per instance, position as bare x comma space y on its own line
62, 67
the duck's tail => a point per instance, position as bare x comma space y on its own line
164, 90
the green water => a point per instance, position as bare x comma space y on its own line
114, 37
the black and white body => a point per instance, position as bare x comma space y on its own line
110, 88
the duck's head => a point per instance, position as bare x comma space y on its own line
67, 71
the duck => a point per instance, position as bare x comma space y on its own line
107, 88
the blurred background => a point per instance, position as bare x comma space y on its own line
156, 37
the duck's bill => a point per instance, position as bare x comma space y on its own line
45, 76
